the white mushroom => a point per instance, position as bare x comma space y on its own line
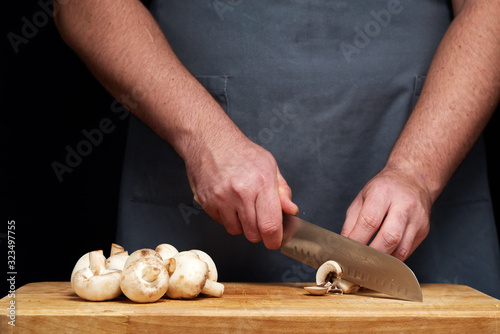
95, 282
190, 277
145, 278
329, 275
212, 269
83, 262
212, 287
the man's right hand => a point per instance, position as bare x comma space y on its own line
239, 185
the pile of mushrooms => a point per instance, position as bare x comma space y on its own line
146, 275
328, 279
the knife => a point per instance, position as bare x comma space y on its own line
361, 264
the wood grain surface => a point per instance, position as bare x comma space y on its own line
53, 307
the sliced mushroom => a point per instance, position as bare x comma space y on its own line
95, 282
329, 275
317, 290
145, 278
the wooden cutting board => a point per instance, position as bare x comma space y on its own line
52, 307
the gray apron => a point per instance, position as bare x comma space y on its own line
326, 87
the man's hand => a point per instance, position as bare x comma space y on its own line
458, 98
239, 185
393, 208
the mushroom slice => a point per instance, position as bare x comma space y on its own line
317, 290
330, 273
95, 282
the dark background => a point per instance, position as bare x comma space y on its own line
48, 99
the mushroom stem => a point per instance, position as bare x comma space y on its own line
115, 249
213, 289
150, 273
347, 287
97, 262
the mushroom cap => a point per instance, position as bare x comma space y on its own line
189, 277
104, 286
142, 254
212, 269
82, 263
329, 271
145, 280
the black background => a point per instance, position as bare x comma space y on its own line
48, 99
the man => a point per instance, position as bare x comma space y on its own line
327, 91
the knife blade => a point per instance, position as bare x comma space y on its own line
361, 264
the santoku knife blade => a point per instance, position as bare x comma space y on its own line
363, 265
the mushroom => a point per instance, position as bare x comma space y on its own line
212, 287
95, 282
189, 278
83, 262
329, 276
212, 269
145, 278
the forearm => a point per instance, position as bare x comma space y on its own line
236, 181
459, 96
124, 48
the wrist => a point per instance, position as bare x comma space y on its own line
418, 174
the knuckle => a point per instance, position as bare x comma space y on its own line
402, 253
370, 222
253, 238
391, 239
269, 228
402, 217
231, 229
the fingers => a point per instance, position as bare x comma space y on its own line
254, 209
269, 218
392, 215
285, 196
369, 219
245, 192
